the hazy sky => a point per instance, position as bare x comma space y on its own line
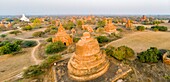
58, 7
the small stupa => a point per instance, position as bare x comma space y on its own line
62, 36
88, 61
109, 27
24, 18
143, 18
128, 24
88, 28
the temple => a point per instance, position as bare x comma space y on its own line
128, 24
88, 61
88, 28
109, 27
23, 18
143, 18
62, 36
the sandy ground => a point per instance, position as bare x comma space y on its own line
13, 65
140, 41
26, 34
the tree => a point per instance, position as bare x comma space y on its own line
120, 53
15, 32
26, 44
79, 23
69, 25
33, 71
102, 39
52, 32
100, 23
140, 28
3, 36
27, 28
8, 48
152, 55
55, 47
38, 34
49, 39
160, 28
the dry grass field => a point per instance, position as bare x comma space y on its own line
140, 41
13, 65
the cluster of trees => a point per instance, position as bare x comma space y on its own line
159, 28
140, 28
36, 70
49, 39
101, 23
55, 47
102, 39
51, 30
15, 32
26, 44
156, 22
27, 28
7, 47
76, 39
69, 25
79, 23
151, 55
120, 53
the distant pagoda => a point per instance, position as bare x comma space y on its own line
62, 36
109, 27
23, 18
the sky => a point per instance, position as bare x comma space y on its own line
85, 7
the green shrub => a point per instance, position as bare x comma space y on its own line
120, 53
47, 30
3, 35
49, 39
19, 42
119, 29
76, 39
9, 48
15, 32
160, 28
37, 70
101, 23
140, 28
151, 55
32, 71
38, 34
52, 32
102, 39
26, 44
49, 61
55, 47
26, 28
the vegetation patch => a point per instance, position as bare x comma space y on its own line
38, 34
26, 44
120, 53
102, 39
151, 55
159, 28
37, 70
140, 28
7, 47
55, 47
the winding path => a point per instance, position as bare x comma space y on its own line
37, 61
